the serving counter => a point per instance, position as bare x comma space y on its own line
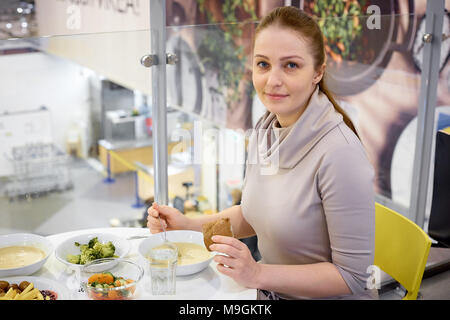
208, 284
130, 151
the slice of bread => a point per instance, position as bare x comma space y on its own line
220, 227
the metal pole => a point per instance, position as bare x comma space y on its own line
159, 108
426, 111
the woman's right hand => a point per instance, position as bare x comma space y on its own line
171, 218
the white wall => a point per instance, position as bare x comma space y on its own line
64, 17
109, 37
28, 81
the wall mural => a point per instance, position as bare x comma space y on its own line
374, 50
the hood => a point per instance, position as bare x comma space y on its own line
285, 147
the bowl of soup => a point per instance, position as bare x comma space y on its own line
193, 256
22, 254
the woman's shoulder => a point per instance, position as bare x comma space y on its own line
342, 143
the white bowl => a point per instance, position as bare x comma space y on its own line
68, 246
25, 239
177, 236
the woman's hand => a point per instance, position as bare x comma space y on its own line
171, 218
239, 264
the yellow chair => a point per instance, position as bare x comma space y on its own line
401, 249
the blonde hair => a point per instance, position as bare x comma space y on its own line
298, 20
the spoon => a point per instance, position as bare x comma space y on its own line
164, 229
141, 237
162, 226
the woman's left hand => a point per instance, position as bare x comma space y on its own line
239, 264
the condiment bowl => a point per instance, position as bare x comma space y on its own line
26, 239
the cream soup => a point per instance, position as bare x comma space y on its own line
19, 256
190, 253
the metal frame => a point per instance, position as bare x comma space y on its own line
426, 111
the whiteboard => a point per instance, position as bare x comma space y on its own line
21, 128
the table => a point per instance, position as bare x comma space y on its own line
208, 284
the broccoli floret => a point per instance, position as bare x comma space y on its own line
97, 248
94, 250
87, 255
104, 250
108, 250
73, 258
92, 242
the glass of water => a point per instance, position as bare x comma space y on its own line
163, 264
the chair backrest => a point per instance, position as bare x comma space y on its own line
439, 222
401, 249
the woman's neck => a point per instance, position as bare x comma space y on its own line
288, 120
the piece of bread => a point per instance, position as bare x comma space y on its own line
220, 227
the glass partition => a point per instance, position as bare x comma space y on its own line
379, 86
81, 106
74, 123
211, 85
373, 63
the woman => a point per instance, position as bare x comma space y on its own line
308, 190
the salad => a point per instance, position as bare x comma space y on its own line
106, 286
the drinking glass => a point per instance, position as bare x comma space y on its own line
163, 263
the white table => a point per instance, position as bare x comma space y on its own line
208, 284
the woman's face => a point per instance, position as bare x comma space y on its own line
284, 75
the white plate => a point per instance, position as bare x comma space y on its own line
68, 246
43, 284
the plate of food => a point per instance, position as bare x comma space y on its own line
32, 288
82, 249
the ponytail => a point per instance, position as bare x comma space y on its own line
323, 87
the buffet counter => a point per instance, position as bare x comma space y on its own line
208, 284
130, 151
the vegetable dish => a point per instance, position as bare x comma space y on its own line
92, 251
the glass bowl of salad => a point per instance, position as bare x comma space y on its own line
117, 282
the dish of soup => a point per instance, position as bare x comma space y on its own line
19, 256
190, 253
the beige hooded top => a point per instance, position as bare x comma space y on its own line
308, 194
